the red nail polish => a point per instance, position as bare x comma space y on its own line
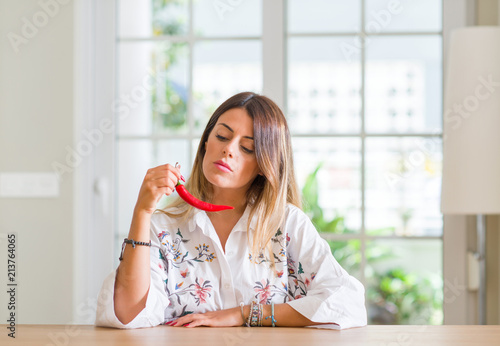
187, 324
182, 178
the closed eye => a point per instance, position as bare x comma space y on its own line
223, 139
246, 150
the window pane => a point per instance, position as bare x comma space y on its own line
348, 254
134, 159
170, 71
323, 86
194, 149
222, 69
332, 196
320, 16
404, 84
153, 88
403, 183
404, 281
227, 18
172, 151
155, 17
403, 16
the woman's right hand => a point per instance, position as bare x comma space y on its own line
158, 181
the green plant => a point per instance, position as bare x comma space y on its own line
169, 99
310, 193
411, 299
394, 296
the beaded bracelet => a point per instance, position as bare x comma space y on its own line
255, 313
243, 315
250, 315
273, 320
134, 243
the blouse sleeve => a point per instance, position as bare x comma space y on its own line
320, 289
157, 301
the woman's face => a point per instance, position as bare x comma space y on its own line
229, 160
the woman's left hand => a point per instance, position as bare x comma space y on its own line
221, 318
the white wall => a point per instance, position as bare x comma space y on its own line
36, 124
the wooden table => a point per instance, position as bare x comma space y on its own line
162, 335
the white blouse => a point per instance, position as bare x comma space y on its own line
190, 273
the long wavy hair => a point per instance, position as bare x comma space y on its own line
270, 192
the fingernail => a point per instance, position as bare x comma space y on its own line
182, 178
187, 324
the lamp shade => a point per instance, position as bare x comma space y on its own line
471, 132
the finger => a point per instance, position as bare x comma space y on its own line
154, 189
177, 168
173, 323
193, 324
164, 181
164, 166
187, 320
199, 322
178, 174
158, 193
160, 173
179, 322
160, 169
175, 175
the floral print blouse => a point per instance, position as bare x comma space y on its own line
190, 273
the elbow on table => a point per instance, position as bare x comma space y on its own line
124, 316
126, 313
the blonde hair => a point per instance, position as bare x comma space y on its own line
270, 192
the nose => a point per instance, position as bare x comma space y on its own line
228, 149
227, 152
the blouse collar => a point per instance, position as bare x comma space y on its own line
200, 219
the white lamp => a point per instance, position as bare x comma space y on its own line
471, 133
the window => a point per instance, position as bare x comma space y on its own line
362, 91
177, 61
364, 103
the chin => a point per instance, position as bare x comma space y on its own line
212, 178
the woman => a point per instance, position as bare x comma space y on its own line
259, 264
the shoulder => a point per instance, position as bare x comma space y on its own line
296, 221
294, 214
166, 218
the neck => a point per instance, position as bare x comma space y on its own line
234, 198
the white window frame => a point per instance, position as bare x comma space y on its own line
93, 240
95, 252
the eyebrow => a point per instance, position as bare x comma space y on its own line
230, 129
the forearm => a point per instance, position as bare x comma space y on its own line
284, 314
133, 275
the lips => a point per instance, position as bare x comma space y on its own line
222, 165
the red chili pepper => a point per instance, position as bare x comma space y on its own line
195, 202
